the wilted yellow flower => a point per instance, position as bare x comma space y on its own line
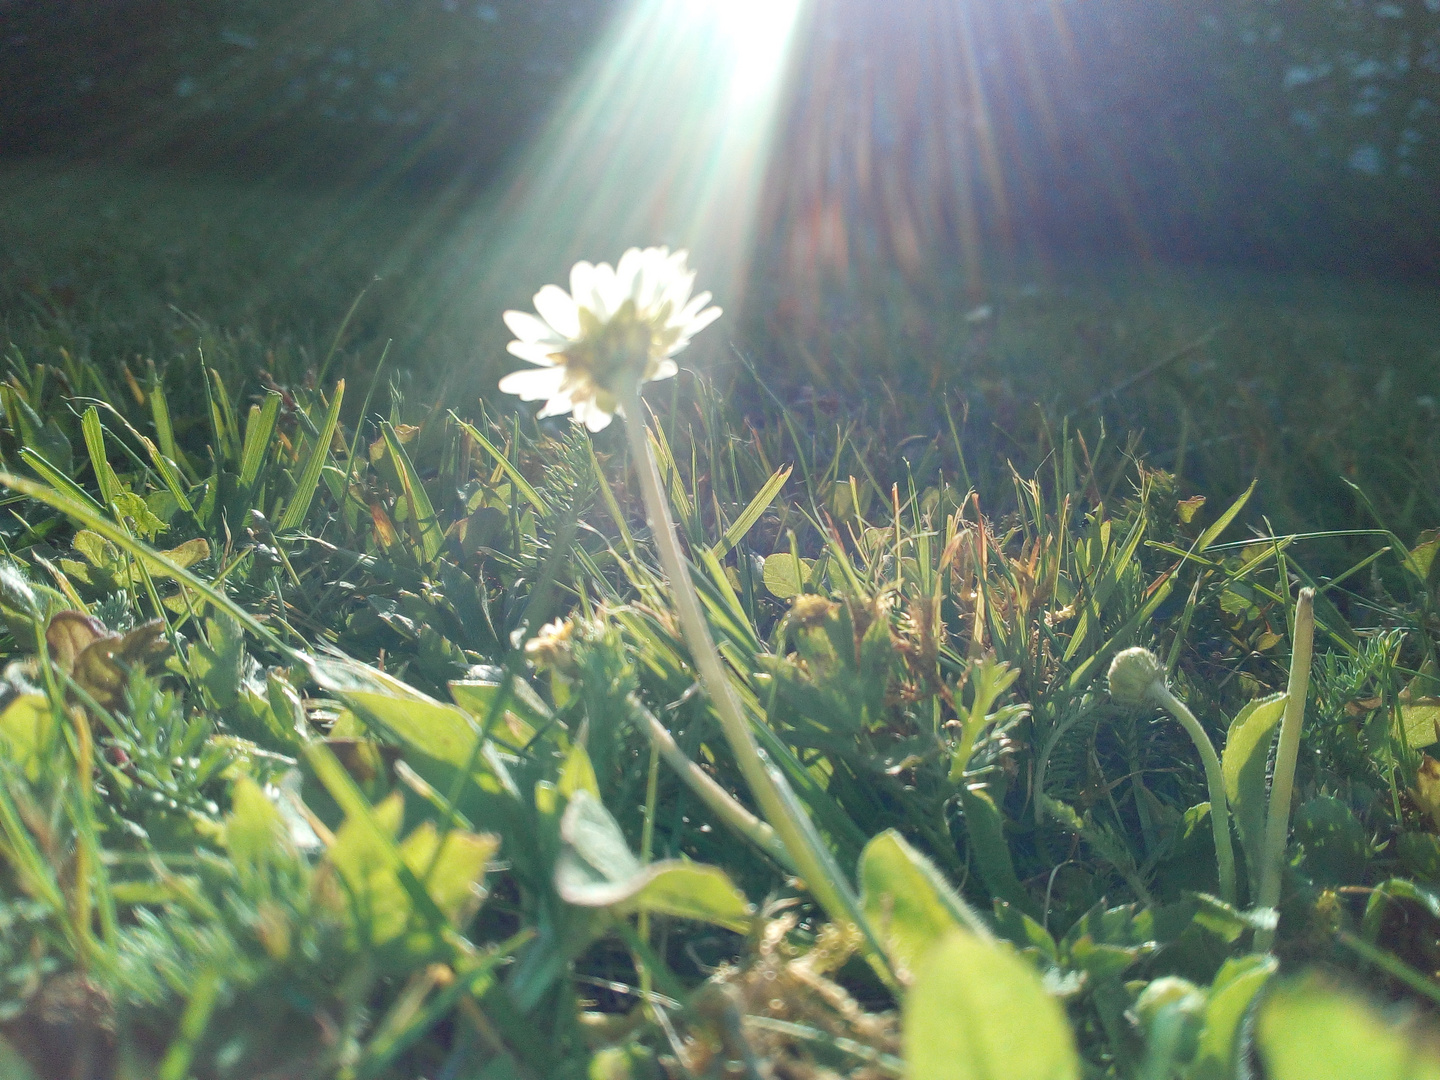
550, 648
616, 328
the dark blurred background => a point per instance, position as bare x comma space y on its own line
1253, 132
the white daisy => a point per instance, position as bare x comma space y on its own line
616, 328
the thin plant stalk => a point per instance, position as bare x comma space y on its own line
816, 866
1214, 780
1282, 783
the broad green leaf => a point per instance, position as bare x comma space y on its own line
908, 902
596, 869
299, 504
367, 864
578, 774
27, 729
452, 869
785, 576
1420, 559
1236, 984
984, 825
525, 711
1334, 846
977, 1011
1247, 753
1421, 721
595, 837
444, 733
1309, 1031
254, 828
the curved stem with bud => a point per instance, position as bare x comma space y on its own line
1138, 677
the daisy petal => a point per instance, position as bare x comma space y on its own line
582, 283
527, 327
558, 405
630, 275
704, 319
665, 369
533, 383
692, 308
558, 309
606, 292
533, 351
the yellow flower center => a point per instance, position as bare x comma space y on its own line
618, 354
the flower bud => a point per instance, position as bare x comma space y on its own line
1133, 673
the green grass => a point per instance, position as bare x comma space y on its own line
292, 783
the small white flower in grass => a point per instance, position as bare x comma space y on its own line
616, 328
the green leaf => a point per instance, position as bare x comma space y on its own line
577, 774
524, 711
299, 504
443, 733
258, 429
1210, 535
27, 730
1309, 1031
979, 1012
143, 520
422, 513
596, 869
1420, 559
254, 829
57, 478
984, 825
1333, 844
94, 433
751, 514
784, 575
1420, 719
1243, 764
908, 902
507, 466
85, 511
1236, 984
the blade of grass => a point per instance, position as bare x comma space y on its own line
507, 466
422, 513
258, 431
752, 513
299, 504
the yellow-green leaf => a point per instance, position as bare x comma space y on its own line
1309, 1031
977, 1011
27, 728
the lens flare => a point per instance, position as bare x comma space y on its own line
663, 139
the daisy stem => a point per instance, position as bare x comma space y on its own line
778, 804
1282, 782
1214, 779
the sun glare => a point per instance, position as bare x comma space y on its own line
664, 138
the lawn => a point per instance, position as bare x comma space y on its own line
357, 724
